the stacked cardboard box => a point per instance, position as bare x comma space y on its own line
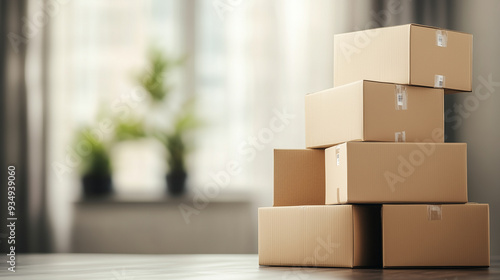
377, 185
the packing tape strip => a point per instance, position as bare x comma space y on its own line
439, 81
441, 38
434, 212
337, 155
400, 136
401, 97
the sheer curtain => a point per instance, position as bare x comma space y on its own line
97, 48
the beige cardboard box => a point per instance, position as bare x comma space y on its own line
408, 54
436, 235
374, 111
369, 172
327, 235
299, 177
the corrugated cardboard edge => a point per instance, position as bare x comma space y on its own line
408, 24
353, 218
363, 120
346, 200
437, 28
466, 179
383, 234
409, 53
489, 237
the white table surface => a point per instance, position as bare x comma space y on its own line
134, 267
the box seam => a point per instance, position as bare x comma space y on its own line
353, 264
409, 53
346, 186
363, 122
383, 236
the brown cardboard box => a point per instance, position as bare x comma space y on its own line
299, 177
407, 54
436, 235
374, 111
328, 235
368, 172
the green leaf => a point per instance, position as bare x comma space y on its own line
94, 153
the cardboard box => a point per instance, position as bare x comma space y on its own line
327, 236
408, 54
368, 172
374, 111
436, 235
299, 177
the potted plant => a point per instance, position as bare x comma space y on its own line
176, 155
178, 146
95, 166
175, 135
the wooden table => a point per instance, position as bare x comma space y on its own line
135, 267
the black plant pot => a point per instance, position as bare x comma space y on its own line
176, 183
96, 185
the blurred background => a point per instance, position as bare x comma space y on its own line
148, 126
